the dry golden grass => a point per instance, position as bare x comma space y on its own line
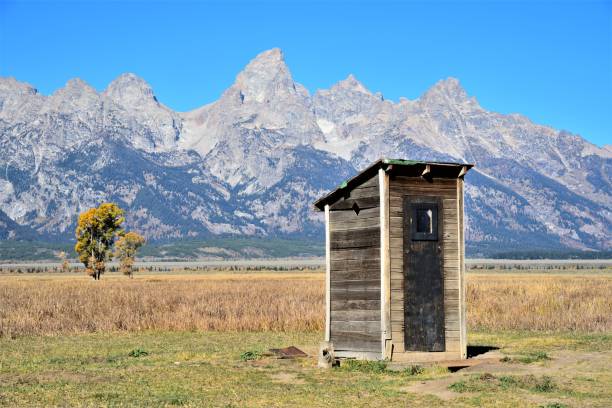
540, 302
277, 302
255, 302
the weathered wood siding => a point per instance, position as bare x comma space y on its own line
447, 190
355, 290
462, 286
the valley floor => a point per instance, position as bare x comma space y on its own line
211, 369
201, 339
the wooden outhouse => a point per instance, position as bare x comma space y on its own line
394, 239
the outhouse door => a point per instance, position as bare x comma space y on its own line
423, 274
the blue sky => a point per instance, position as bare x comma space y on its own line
551, 61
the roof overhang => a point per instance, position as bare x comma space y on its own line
400, 167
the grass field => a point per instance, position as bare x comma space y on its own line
200, 340
61, 304
206, 369
277, 301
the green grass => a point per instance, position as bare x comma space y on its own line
192, 369
186, 369
138, 352
531, 357
490, 383
250, 355
370, 367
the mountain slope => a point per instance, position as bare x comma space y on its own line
252, 162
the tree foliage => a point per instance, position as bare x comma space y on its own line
125, 250
96, 232
63, 257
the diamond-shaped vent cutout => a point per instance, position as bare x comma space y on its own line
355, 208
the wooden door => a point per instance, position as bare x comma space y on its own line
423, 274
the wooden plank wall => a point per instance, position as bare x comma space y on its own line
355, 295
447, 189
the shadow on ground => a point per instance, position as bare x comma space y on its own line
473, 351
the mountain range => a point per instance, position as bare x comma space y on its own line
252, 162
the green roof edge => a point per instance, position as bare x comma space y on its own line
401, 162
383, 163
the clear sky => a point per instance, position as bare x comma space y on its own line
549, 60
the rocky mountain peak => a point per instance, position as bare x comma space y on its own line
254, 161
78, 85
76, 96
273, 56
75, 88
350, 83
130, 90
264, 77
446, 91
9, 85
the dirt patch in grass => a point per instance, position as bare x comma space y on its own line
538, 382
287, 378
438, 388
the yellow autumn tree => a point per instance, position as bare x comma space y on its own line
96, 232
125, 250
63, 257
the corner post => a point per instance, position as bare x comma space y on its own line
327, 275
385, 265
462, 287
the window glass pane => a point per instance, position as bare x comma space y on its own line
424, 220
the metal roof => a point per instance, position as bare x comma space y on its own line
388, 165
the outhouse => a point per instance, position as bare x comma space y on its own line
394, 249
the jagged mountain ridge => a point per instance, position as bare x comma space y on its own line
253, 161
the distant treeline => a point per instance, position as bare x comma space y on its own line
536, 266
234, 247
34, 250
252, 247
165, 269
218, 248
552, 254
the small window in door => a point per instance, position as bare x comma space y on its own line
424, 220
